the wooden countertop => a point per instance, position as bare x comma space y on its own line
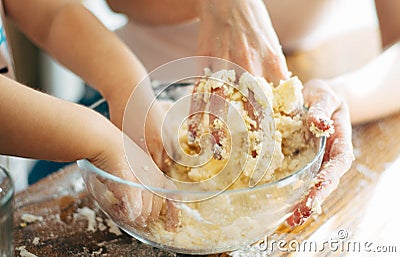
63, 231
362, 210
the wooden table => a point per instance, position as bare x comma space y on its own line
59, 197
362, 210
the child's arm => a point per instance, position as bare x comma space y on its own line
39, 126
36, 125
78, 40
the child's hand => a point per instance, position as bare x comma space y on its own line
325, 105
133, 205
58, 130
135, 111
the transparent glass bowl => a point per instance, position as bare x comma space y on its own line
224, 222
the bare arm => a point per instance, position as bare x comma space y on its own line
237, 30
161, 12
372, 91
36, 125
71, 34
389, 21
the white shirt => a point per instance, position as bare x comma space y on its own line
157, 45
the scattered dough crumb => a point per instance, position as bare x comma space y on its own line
24, 253
319, 132
98, 252
113, 228
102, 227
90, 216
36, 240
30, 218
316, 206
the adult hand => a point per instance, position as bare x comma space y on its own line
324, 105
240, 32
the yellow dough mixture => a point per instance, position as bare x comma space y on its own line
281, 147
252, 157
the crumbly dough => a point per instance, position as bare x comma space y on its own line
319, 132
282, 146
30, 218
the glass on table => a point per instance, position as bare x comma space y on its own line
6, 213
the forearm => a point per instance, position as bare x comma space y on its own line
71, 34
169, 12
372, 91
227, 8
161, 12
36, 125
389, 21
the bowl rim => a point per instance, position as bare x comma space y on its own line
279, 183
10, 192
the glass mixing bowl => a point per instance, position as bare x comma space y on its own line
211, 221
226, 221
